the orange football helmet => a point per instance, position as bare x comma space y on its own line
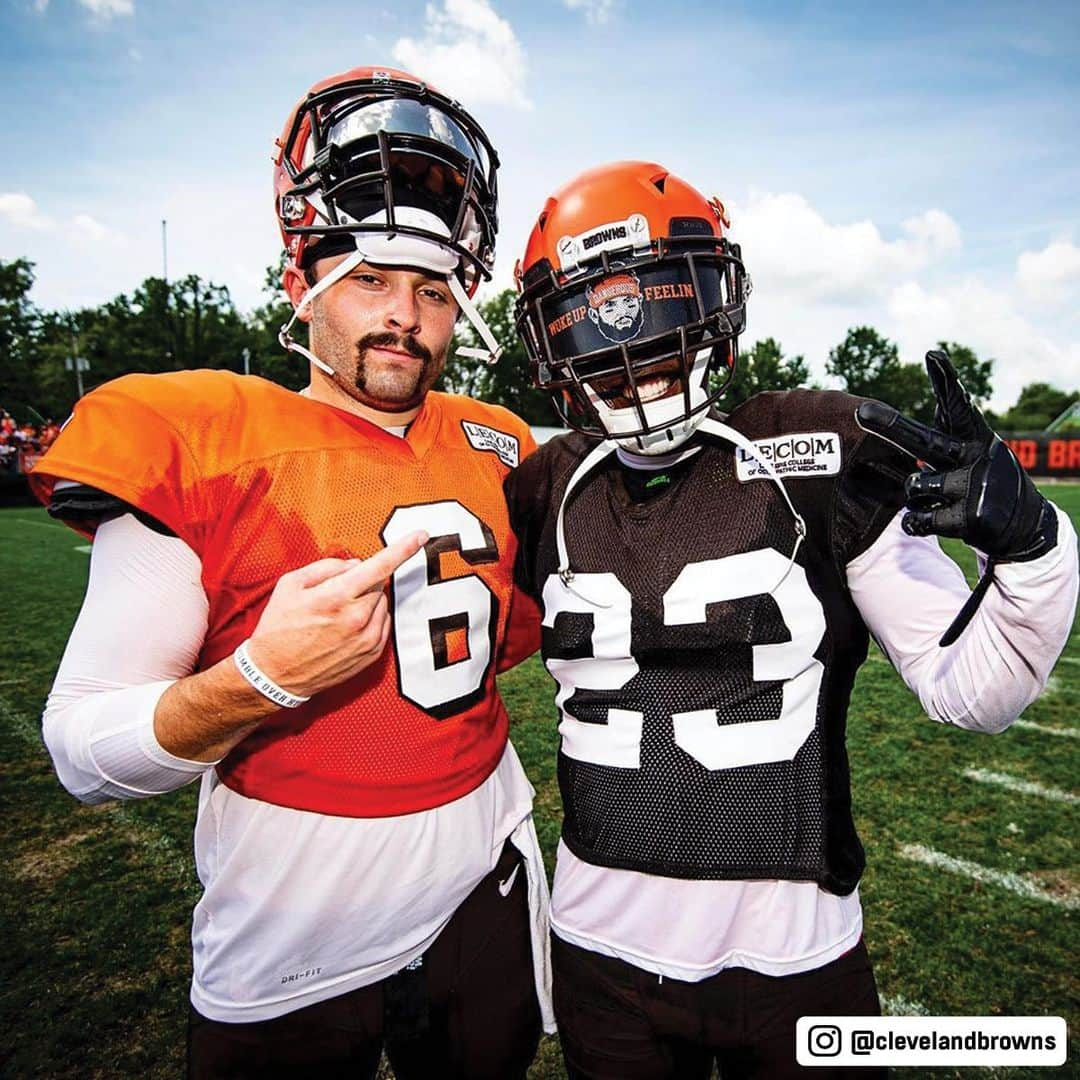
631, 303
379, 151
376, 163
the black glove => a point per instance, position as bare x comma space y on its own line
973, 488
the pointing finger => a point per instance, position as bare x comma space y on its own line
921, 441
372, 573
955, 412
943, 377
317, 572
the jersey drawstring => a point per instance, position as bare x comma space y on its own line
603, 449
729, 434
588, 463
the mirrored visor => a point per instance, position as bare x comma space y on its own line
406, 116
629, 305
416, 181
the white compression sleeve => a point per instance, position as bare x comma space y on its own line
908, 591
140, 629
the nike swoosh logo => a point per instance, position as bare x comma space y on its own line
506, 885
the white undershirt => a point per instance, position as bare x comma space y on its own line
907, 591
298, 906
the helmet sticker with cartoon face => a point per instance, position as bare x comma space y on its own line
626, 304
615, 306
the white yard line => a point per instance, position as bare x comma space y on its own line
1021, 787
29, 729
897, 1005
33, 524
1065, 733
85, 548
1055, 685
1015, 883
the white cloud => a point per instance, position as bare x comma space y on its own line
82, 259
108, 9
1051, 275
469, 52
989, 320
21, 211
934, 232
815, 279
92, 229
597, 12
791, 248
101, 9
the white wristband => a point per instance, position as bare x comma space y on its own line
262, 682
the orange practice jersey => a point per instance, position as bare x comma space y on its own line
258, 481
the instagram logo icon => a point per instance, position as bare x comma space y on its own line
823, 1040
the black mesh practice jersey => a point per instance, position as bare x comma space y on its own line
703, 678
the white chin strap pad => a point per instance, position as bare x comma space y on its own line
383, 249
399, 249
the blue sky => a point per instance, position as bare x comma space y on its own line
915, 166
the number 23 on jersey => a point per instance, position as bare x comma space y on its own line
704, 734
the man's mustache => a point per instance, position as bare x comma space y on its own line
405, 343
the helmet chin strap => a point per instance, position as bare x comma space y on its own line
286, 339
489, 355
494, 350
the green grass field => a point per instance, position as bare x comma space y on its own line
95, 902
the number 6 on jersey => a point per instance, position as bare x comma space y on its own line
427, 609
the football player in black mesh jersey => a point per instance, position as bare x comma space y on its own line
709, 588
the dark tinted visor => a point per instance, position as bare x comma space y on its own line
350, 123
630, 305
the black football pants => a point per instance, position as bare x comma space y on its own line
618, 1022
469, 1012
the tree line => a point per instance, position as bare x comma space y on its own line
189, 323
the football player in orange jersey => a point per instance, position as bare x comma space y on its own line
710, 585
302, 600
